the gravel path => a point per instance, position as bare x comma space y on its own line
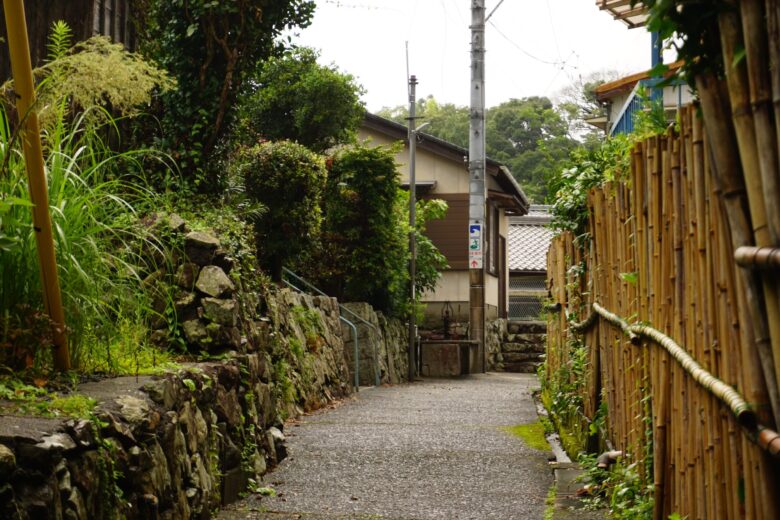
431, 450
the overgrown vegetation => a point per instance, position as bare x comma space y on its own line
363, 251
294, 98
213, 50
100, 246
91, 78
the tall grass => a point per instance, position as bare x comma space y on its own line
103, 252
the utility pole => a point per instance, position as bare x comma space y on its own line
412, 228
477, 185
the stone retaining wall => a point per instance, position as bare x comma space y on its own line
180, 445
177, 446
171, 447
388, 336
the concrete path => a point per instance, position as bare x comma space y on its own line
431, 450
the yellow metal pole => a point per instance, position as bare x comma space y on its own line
24, 88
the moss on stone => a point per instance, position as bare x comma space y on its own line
532, 434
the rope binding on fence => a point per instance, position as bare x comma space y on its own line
764, 437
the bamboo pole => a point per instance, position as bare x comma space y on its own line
737, 78
18, 45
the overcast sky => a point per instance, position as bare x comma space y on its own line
534, 47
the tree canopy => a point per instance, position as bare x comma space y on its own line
293, 97
211, 49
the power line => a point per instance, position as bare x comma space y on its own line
540, 60
487, 19
552, 26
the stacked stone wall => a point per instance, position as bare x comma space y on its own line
178, 445
386, 339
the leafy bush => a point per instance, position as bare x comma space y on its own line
591, 168
295, 98
93, 73
288, 180
363, 252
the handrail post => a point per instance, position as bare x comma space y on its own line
357, 352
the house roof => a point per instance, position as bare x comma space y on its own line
633, 16
529, 240
512, 197
608, 90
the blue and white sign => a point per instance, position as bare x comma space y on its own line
475, 246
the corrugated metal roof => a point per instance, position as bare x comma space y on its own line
527, 247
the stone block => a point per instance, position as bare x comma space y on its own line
213, 282
199, 247
441, 360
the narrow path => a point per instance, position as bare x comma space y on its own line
431, 450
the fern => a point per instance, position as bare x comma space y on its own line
60, 40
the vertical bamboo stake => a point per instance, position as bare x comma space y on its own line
16, 26
737, 78
757, 58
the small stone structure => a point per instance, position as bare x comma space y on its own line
523, 346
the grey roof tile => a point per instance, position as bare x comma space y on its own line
527, 247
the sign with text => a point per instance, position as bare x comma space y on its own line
475, 246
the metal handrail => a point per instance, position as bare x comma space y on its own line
356, 384
317, 290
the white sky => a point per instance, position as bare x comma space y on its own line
534, 47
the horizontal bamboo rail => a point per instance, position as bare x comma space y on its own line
766, 438
758, 257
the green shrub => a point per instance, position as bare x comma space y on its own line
288, 180
297, 99
363, 252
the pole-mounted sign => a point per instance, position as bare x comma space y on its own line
475, 246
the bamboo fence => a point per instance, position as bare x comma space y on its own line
662, 256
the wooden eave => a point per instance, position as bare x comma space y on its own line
622, 10
609, 90
452, 152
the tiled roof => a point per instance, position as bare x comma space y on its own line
527, 247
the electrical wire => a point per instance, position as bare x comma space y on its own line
536, 58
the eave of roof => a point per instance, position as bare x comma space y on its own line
609, 90
632, 15
454, 152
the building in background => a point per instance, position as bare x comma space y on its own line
529, 240
442, 173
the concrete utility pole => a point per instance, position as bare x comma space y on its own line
412, 226
477, 185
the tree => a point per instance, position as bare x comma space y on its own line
363, 252
293, 97
210, 48
577, 102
